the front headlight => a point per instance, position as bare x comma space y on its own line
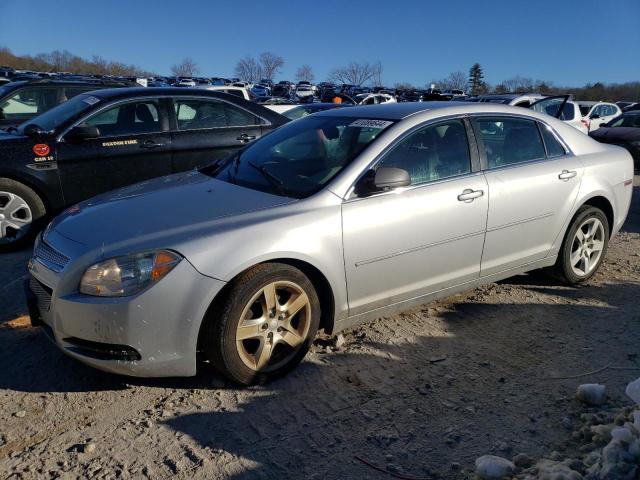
128, 275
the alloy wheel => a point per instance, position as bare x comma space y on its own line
587, 247
273, 326
15, 217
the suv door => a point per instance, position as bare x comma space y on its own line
406, 243
207, 129
533, 183
133, 145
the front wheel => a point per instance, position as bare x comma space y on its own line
264, 326
584, 246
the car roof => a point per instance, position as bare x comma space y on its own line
400, 111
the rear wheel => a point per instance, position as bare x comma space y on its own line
584, 246
21, 214
264, 326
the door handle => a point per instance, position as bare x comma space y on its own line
566, 174
244, 138
469, 195
151, 144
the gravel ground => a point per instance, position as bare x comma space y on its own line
423, 393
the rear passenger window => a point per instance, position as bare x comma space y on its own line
202, 114
432, 153
554, 147
509, 141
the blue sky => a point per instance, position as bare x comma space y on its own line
569, 42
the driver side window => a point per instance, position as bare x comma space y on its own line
127, 119
432, 153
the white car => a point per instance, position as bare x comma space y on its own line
281, 108
238, 91
304, 92
185, 82
374, 98
563, 108
597, 113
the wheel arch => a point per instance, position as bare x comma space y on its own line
37, 187
318, 279
604, 204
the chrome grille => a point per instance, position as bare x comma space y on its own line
50, 257
42, 293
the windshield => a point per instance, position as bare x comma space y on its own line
301, 157
52, 119
626, 120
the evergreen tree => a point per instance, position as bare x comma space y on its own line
476, 79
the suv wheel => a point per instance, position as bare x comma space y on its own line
584, 245
21, 213
264, 326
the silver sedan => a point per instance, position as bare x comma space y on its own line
329, 221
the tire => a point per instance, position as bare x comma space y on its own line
239, 359
566, 268
22, 213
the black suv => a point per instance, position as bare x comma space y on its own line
105, 139
22, 100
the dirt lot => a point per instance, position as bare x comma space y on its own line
422, 393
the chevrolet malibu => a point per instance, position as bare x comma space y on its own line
329, 221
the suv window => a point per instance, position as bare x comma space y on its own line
199, 114
432, 153
28, 102
554, 147
127, 119
509, 141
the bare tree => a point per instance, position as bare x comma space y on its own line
271, 64
519, 84
455, 81
248, 69
305, 74
355, 73
376, 74
187, 68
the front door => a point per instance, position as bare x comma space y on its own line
208, 129
409, 242
134, 145
533, 183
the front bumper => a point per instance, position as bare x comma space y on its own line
152, 334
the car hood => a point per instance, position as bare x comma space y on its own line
181, 204
620, 134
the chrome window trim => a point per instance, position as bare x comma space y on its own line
351, 191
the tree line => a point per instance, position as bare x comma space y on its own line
270, 65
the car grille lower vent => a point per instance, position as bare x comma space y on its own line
50, 257
42, 293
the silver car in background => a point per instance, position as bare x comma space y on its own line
332, 220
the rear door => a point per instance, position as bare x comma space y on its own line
134, 145
533, 182
207, 129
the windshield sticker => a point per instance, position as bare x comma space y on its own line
90, 100
119, 143
364, 123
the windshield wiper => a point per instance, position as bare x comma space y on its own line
275, 182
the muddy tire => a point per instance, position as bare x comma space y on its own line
263, 326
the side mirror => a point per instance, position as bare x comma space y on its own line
33, 130
595, 115
81, 133
387, 178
